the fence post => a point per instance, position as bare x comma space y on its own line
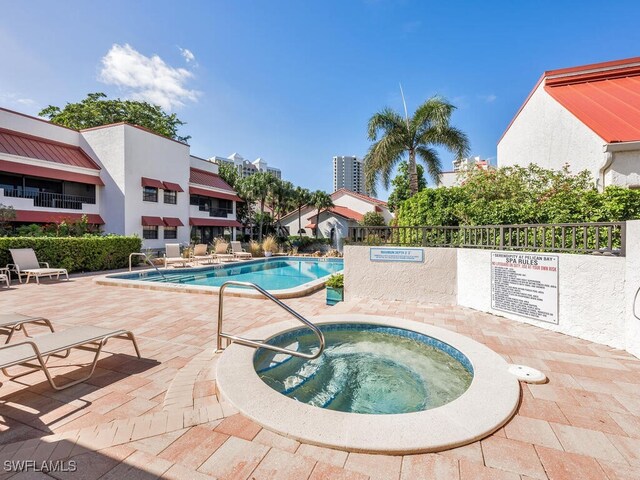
501, 237
623, 239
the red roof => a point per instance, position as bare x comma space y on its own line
344, 212
23, 145
32, 170
32, 216
208, 179
213, 222
603, 96
212, 194
366, 198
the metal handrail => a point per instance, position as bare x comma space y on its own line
252, 343
635, 300
148, 260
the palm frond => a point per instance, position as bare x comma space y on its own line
387, 120
435, 112
449, 137
381, 159
429, 156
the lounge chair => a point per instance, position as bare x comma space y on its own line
172, 255
25, 263
14, 322
238, 251
5, 277
221, 252
33, 353
200, 253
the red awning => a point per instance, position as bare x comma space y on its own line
311, 225
32, 216
174, 187
213, 222
173, 222
152, 221
150, 182
44, 172
212, 194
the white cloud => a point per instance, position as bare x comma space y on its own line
488, 98
16, 99
187, 54
146, 78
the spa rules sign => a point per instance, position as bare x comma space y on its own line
525, 284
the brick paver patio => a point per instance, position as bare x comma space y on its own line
161, 417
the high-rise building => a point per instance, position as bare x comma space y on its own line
245, 167
348, 173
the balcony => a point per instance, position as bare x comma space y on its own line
51, 200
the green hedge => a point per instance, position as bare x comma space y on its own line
76, 254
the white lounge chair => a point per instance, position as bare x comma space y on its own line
221, 252
14, 322
25, 263
200, 253
238, 251
33, 353
172, 255
5, 277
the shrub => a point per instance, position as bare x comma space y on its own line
519, 195
335, 281
373, 219
269, 244
306, 243
76, 254
255, 248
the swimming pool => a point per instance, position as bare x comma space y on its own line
283, 277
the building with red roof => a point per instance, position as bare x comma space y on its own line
587, 117
125, 178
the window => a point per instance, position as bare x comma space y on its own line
150, 194
170, 233
170, 197
150, 232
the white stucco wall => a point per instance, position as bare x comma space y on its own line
37, 127
434, 280
632, 284
590, 294
624, 169
547, 134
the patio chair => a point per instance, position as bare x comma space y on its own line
201, 254
14, 322
33, 353
172, 255
5, 277
221, 252
238, 251
25, 263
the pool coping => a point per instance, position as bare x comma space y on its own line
470, 417
295, 292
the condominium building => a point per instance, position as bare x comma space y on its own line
125, 178
348, 173
247, 168
454, 177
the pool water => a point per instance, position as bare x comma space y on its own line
369, 369
268, 273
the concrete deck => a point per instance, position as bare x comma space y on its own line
161, 417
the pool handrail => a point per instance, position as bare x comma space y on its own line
147, 259
255, 344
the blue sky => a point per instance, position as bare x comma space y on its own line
295, 82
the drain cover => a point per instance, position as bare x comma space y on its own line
527, 374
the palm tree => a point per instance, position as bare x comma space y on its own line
416, 136
320, 200
257, 187
280, 199
301, 197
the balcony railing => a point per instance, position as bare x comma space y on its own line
216, 212
51, 200
599, 238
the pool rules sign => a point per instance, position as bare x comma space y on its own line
525, 284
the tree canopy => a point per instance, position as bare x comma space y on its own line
416, 136
400, 184
96, 110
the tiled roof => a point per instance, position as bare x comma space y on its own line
603, 96
366, 198
343, 212
23, 145
208, 179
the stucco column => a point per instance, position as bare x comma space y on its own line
632, 284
